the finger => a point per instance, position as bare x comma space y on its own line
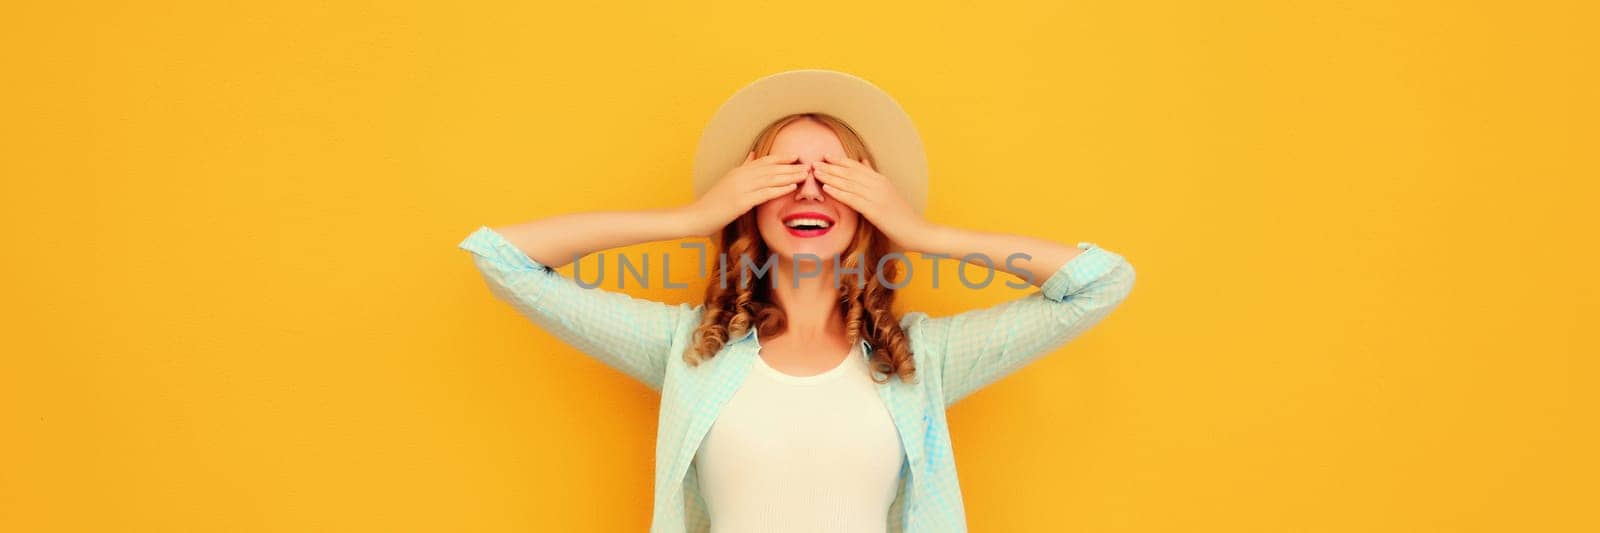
839, 183
835, 174
859, 175
790, 167
834, 168
840, 161
825, 167
750, 156
769, 193
784, 179
855, 201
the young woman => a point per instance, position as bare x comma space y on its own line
796, 400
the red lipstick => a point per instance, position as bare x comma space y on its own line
807, 224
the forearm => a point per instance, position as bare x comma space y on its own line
1043, 257
557, 240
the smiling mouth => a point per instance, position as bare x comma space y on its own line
808, 224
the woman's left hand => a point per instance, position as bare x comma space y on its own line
871, 194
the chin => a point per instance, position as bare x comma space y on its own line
824, 247
822, 253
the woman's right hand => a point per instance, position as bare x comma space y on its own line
750, 184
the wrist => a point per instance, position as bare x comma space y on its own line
685, 222
923, 237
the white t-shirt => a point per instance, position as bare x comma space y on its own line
802, 453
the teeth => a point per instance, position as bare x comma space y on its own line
797, 222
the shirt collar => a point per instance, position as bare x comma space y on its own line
750, 334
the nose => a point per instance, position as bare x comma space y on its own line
810, 189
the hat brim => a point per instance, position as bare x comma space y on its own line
888, 132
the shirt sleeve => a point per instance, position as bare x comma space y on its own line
976, 348
631, 335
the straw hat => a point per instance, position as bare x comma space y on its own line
891, 138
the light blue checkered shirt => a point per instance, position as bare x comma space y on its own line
954, 355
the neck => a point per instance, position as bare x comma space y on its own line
810, 303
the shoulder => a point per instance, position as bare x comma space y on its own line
920, 332
913, 320
916, 323
689, 317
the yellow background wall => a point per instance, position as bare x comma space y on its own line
1364, 234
